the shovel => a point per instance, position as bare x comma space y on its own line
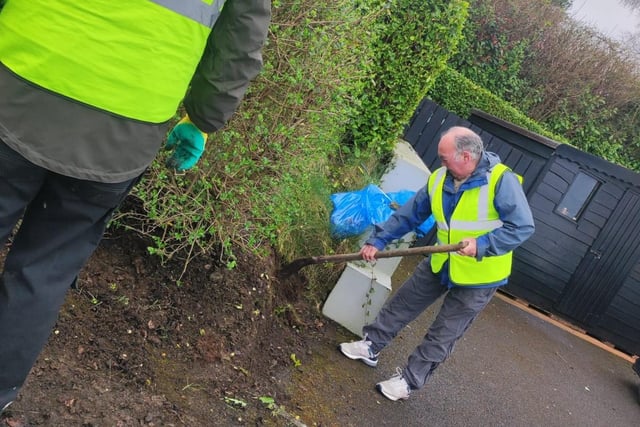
299, 263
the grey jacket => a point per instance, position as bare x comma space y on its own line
79, 141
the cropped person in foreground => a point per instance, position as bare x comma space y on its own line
88, 93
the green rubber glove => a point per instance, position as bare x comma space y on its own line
188, 143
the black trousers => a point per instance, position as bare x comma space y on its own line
63, 220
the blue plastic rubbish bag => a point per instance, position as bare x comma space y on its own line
355, 211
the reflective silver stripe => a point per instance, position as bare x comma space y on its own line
483, 199
476, 225
436, 181
202, 11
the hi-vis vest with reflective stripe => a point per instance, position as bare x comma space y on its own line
134, 58
474, 216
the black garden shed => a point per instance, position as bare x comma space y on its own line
583, 262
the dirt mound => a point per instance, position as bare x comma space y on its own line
133, 347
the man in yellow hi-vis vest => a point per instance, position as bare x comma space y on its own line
474, 199
87, 92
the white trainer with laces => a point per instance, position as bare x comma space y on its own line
395, 388
360, 350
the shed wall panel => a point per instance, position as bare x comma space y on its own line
545, 266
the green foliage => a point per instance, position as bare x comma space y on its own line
460, 95
410, 43
296, 362
562, 74
587, 128
331, 69
341, 79
488, 56
265, 179
624, 127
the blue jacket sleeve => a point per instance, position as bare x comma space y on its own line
515, 214
405, 219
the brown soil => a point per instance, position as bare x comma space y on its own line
134, 347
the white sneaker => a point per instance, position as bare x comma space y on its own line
360, 350
395, 388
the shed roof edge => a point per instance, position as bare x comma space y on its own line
515, 128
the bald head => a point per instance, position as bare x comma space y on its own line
465, 140
460, 150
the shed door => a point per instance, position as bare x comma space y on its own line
606, 265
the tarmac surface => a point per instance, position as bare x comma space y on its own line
512, 368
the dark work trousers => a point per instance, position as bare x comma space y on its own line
63, 220
459, 308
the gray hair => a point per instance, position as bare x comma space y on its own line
466, 140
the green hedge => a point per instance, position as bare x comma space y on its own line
460, 95
411, 42
334, 71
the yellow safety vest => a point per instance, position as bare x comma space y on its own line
133, 58
474, 216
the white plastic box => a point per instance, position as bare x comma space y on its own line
363, 288
358, 296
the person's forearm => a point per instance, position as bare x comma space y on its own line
405, 219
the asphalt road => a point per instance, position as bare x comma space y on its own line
511, 369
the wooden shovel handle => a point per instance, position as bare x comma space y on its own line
419, 250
